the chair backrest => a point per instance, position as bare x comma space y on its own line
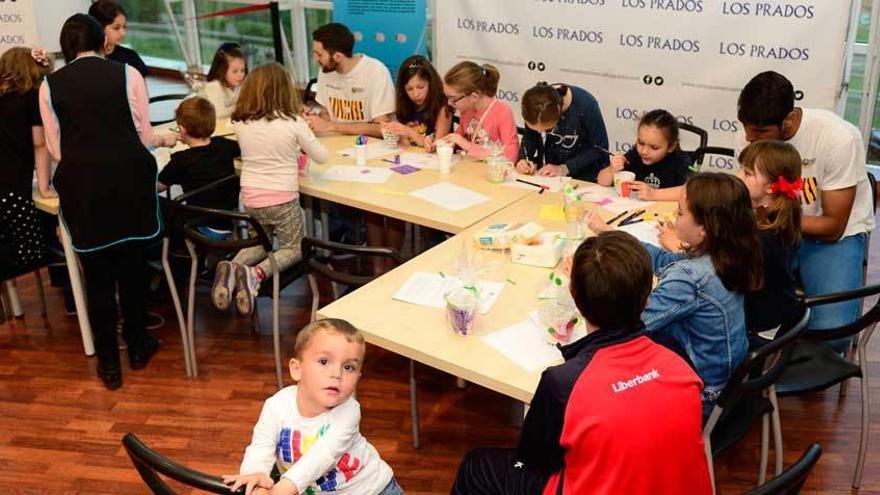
701, 134
161, 98
872, 181
792, 479
315, 264
188, 218
309, 92
150, 464
763, 366
698, 154
865, 322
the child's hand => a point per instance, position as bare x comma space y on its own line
645, 192
596, 224
396, 128
618, 163
429, 144
455, 139
668, 238
549, 170
525, 167
249, 481
284, 487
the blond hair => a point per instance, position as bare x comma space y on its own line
267, 93
19, 72
349, 331
468, 77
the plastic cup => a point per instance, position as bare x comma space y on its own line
302, 165
574, 214
461, 310
360, 154
498, 170
621, 178
444, 158
392, 141
559, 321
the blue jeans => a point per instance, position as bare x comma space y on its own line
828, 267
392, 488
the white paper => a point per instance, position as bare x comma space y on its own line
643, 231
618, 204
374, 150
430, 289
352, 173
450, 196
423, 160
554, 184
524, 344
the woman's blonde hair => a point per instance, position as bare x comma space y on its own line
775, 160
468, 77
267, 93
19, 72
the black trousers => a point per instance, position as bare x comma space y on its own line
118, 269
495, 472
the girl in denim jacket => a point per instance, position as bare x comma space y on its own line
712, 257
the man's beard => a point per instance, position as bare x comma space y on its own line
331, 67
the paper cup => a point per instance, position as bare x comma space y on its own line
461, 310
392, 141
623, 177
444, 158
360, 154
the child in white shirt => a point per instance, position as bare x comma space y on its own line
310, 430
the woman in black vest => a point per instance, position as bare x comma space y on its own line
97, 127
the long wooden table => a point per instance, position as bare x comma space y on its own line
422, 333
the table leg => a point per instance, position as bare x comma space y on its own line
79, 296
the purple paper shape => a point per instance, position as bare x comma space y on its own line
405, 169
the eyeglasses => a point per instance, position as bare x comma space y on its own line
452, 100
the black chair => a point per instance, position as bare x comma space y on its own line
309, 92
792, 479
161, 98
815, 366
698, 154
188, 218
151, 464
316, 265
750, 395
701, 134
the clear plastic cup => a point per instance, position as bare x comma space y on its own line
444, 157
392, 141
462, 305
559, 320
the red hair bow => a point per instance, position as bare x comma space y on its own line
790, 189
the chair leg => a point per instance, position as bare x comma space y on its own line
316, 298
414, 403
276, 325
850, 355
866, 414
178, 308
765, 440
190, 306
777, 430
41, 292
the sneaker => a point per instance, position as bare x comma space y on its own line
221, 290
247, 285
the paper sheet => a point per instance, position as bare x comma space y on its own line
553, 183
524, 343
450, 196
351, 173
430, 289
643, 231
374, 150
423, 160
554, 213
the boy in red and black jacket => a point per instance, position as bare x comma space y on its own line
621, 415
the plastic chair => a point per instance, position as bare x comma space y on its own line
188, 218
750, 394
150, 464
792, 479
161, 98
698, 154
702, 135
815, 366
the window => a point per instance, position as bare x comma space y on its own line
150, 34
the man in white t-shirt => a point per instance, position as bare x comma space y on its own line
355, 91
836, 199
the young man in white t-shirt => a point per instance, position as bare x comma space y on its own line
836, 198
355, 92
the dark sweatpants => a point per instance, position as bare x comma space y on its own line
495, 472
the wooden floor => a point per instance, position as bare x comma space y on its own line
60, 430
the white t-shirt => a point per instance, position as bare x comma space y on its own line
833, 155
325, 453
361, 95
269, 150
223, 98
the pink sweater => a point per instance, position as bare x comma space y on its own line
498, 125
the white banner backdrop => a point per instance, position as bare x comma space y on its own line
690, 57
18, 26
